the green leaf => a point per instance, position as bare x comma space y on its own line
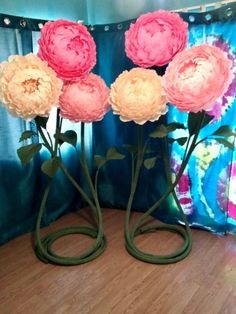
41, 121
26, 153
113, 154
171, 140
132, 149
99, 160
149, 163
224, 130
225, 143
181, 141
207, 120
175, 126
27, 134
194, 120
50, 166
161, 131
69, 136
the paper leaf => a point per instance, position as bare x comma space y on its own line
194, 121
207, 120
69, 136
175, 126
224, 130
181, 141
26, 153
50, 167
113, 154
27, 134
149, 163
99, 160
225, 143
161, 131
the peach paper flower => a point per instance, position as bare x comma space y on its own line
28, 87
197, 77
85, 100
137, 95
68, 48
155, 38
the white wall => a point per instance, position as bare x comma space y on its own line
46, 9
111, 11
91, 11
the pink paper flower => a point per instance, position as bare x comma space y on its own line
197, 77
137, 95
85, 100
155, 38
68, 48
28, 87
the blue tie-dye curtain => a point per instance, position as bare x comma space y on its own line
207, 190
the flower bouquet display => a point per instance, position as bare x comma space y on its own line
59, 76
192, 82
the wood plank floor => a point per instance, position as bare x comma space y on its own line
204, 283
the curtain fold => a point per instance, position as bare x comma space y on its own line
207, 191
114, 183
21, 187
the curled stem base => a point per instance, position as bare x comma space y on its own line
52, 257
174, 257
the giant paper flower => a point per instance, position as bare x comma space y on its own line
197, 77
68, 48
85, 100
28, 87
155, 38
137, 95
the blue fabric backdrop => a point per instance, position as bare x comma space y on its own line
21, 187
207, 188
208, 198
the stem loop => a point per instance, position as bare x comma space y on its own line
139, 226
43, 246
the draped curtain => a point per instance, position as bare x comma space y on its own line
21, 186
207, 189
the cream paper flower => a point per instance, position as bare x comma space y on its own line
137, 95
28, 87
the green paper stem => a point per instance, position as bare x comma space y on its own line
93, 188
43, 247
134, 182
139, 226
96, 182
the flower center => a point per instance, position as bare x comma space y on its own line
76, 44
30, 85
188, 66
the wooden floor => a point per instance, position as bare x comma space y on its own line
204, 283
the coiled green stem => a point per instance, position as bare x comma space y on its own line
43, 246
139, 226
